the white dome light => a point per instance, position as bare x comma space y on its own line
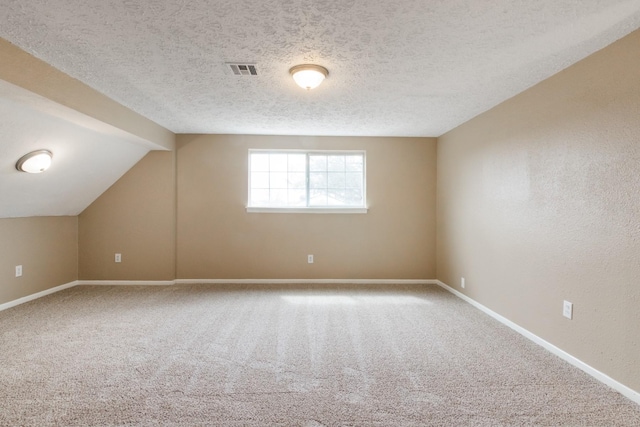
35, 162
308, 76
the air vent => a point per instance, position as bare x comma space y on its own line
243, 69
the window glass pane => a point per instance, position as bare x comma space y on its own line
317, 180
278, 180
298, 198
335, 197
353, 197
297, 162
297, 180
259, 180
278, 198
353, 180
354, 163
278, 162
335, 163
317, 162
336, 180
317, 197
259, 162
259, 197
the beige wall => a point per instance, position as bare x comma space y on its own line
135, 217
538, 202
218, 239
47, 249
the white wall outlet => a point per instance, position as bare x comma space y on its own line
310, 259
462, 282
18, 270
567, 310
118, 257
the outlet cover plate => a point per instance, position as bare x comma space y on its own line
567, 310
18, 270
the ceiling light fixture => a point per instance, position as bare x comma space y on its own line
308, 76
35, 162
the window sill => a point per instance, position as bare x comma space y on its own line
309, 210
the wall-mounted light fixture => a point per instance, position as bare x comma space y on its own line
35, 162
308, 76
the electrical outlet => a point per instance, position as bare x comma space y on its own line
567, 310
18, 270
118, 257
310, 259
462, 282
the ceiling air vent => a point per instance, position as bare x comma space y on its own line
243, 69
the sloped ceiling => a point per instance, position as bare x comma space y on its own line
397, 68
87, 160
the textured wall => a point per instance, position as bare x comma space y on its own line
218, 239
538, 202
47, 249
135, 217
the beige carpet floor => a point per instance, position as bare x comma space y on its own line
283, 356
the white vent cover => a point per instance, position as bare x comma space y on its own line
243, 69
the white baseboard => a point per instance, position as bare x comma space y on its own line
255, 281
37, 295
127, 282
603, 378
308, 281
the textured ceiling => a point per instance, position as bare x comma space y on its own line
397, 68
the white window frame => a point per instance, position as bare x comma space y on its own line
309, 209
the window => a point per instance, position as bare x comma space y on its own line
306, 181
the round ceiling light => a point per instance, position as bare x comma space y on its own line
35, 162
308, 76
